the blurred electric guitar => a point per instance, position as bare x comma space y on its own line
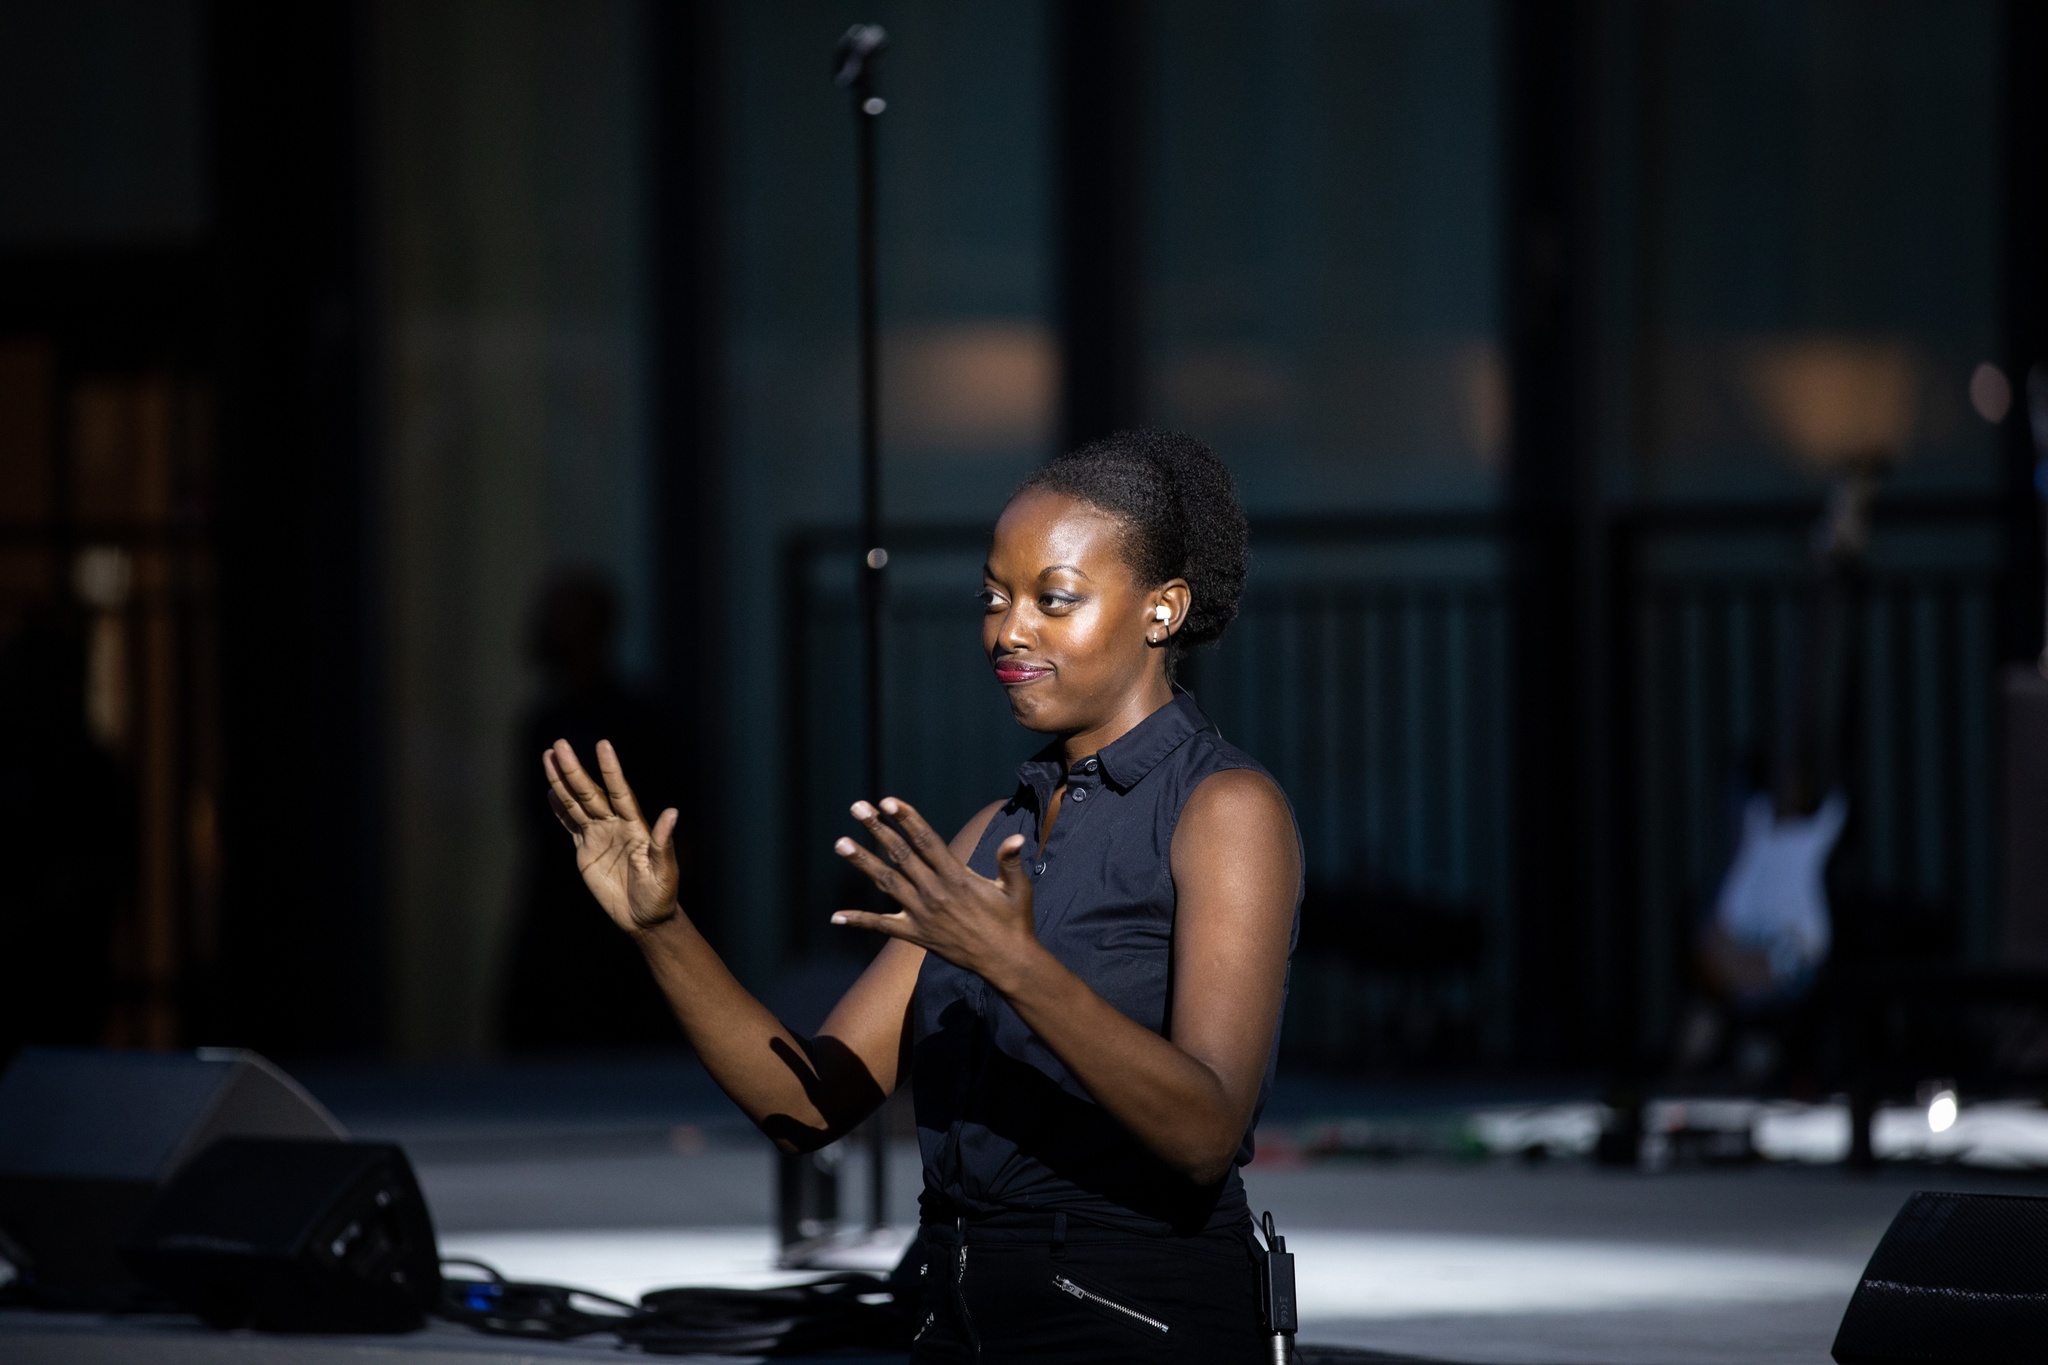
1772, 910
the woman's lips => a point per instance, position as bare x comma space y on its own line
1009, 673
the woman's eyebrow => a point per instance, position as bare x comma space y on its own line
1051, 569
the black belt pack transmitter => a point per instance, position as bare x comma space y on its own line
1276, 1293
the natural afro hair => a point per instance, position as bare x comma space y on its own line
1181, 518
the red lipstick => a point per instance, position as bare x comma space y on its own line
1011, 672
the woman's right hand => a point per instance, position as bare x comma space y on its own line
630, 868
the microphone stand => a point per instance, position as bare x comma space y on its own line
807, 1186
858, 54
2037, 426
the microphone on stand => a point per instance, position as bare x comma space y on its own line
807, 1186
858, 54
856, 48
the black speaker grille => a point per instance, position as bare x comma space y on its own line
1985, 1243
292, 1235
1958, 1277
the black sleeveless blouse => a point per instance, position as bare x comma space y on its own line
1001, 1124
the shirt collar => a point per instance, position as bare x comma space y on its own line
1126, 760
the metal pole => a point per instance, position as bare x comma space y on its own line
2037, 421
857, 55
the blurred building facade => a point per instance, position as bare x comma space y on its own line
1518, 320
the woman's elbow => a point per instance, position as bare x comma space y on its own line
793, 1137
1207, 1159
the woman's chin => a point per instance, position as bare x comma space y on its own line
1031, 710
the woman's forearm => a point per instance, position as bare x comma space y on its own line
1172, 1102
802, 1093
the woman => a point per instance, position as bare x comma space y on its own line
1084, 986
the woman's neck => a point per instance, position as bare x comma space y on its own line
1139, 704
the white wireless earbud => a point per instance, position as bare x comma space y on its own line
1162, 613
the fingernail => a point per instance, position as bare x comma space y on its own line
891, 805
844, 846
839, 919
863, 811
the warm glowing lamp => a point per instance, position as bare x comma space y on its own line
1840, 404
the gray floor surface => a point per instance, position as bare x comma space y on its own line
689, 1164
1815, 1212
649, 1144
1822, 1212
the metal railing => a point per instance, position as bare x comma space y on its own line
1365, 670
1369, 671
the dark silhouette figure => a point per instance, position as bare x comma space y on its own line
67, 844
576, 981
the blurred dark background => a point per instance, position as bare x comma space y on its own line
384, 383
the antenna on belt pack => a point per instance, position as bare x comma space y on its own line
1276, 1293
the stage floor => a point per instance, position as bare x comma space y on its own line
1478, 1262
649, 1180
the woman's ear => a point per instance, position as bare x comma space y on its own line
1168, 612
1177, 598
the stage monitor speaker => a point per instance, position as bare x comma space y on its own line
292, 1236
87, 1137
1958, 1277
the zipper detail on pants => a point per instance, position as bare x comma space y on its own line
960, 1295
1067, 1286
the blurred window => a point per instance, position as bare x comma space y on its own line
1323, 240
1816, 201
100, 103
970, 368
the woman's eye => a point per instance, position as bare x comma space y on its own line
989, 598
1055, 601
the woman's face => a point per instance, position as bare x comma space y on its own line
1073, 635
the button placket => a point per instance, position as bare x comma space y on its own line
1079, 789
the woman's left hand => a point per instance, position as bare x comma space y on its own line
968, 919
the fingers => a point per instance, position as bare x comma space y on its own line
664, 829
562, 816
894, 847
615, 781
936, 853
895, 926
563, 802
1010, 874
584, 793
887, 879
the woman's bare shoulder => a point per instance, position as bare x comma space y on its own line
1234, 794
1235, 809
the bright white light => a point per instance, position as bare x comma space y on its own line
1941, 1111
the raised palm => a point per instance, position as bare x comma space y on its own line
628, 866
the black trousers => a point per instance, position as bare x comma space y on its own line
1043, 1287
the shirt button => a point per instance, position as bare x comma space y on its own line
1079, 795
1040, 869
1090, 766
